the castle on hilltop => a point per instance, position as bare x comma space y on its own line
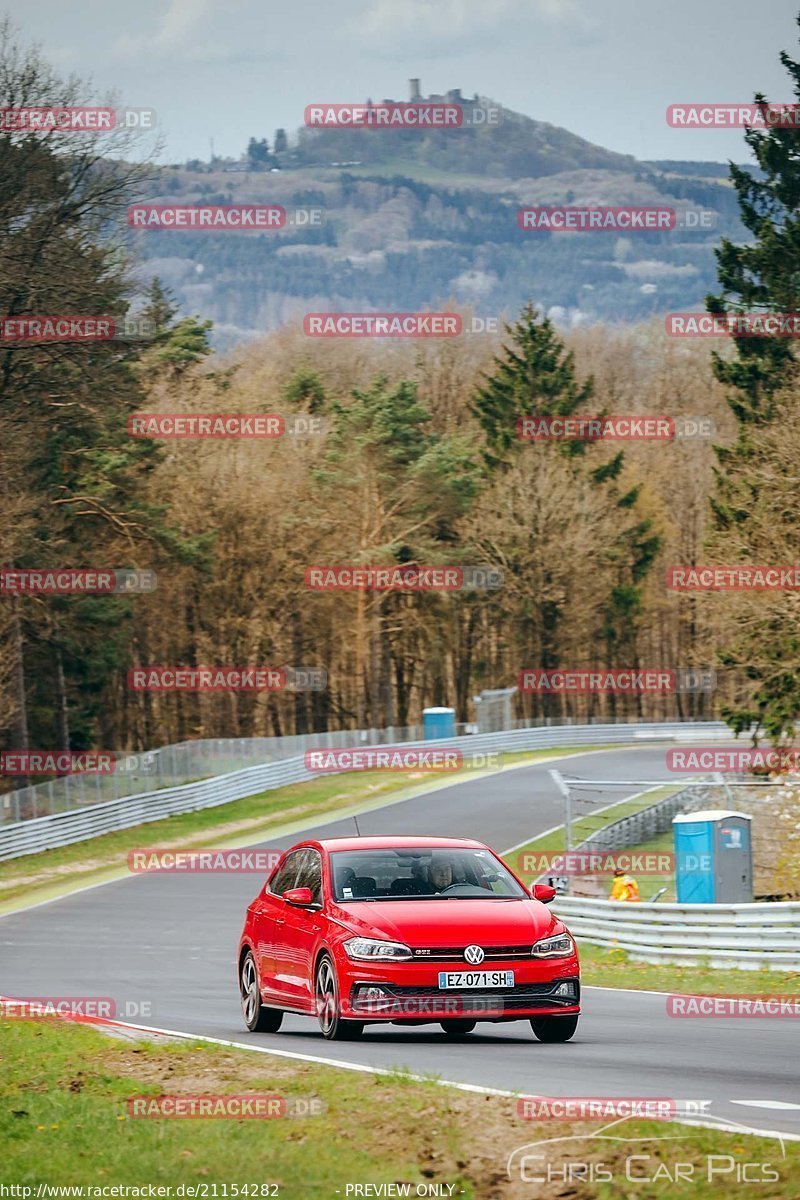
452, 97
415, 96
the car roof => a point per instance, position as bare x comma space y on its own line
392, 841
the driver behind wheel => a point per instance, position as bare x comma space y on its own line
440, 874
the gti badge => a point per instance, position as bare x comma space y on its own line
474, 955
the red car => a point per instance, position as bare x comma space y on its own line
408, 930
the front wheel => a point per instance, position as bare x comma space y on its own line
554, 1029
326, 996
454, 1026
257, 1017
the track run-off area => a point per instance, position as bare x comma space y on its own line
165, 944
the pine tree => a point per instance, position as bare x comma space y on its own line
535, 375
751, 520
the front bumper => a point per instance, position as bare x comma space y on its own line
410, 992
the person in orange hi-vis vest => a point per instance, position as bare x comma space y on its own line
624, 887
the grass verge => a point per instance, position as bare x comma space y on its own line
65, 1120
582, 827
606, 967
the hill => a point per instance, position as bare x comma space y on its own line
415, 221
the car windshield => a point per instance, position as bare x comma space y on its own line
435, 873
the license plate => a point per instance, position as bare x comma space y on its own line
476, 979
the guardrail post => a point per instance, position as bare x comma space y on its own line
558, 780
719, 779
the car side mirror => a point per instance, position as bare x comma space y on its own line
543, 892
300, 897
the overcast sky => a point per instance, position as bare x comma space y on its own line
604, 69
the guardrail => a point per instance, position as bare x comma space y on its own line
648, 822
139, 772
64, 828
142, 771
733, 935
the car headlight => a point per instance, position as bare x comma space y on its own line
371, 948
559, 946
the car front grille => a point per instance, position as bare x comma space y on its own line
456, 953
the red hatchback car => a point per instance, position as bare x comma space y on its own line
409, 930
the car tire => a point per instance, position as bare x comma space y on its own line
257, 1017
456, 1026
554, 1029
326, 999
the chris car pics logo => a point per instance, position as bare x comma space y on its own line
645, 1162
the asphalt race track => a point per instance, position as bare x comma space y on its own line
169, 940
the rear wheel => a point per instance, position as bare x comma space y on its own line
257, 1017
326, 996
554, 1029
455, 1026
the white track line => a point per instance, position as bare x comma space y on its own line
766, 1104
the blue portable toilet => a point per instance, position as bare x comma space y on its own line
713, 857
439, 723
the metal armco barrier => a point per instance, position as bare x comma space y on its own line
64, 828
724, 935
648, 822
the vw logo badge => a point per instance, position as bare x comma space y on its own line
474, 954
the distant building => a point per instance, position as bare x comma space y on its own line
415, 94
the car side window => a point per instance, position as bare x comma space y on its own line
286, 875
310, 874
